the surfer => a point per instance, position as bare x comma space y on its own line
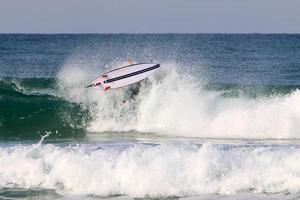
130, 93
134, 90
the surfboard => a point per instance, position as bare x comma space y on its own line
124, 76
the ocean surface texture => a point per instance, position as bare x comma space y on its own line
219, 120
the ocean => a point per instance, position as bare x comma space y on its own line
220, 119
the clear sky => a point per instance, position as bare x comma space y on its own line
152, 16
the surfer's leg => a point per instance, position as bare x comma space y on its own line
135, 90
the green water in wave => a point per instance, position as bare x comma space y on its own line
27, 114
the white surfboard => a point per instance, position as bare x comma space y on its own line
124, 76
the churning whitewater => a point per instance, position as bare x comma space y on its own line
140, 170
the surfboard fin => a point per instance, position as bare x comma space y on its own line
106, 88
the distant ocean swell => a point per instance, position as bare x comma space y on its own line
169, 103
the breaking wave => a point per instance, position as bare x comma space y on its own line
171, 102
177, 104
143, 170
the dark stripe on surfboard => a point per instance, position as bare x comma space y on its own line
131, 74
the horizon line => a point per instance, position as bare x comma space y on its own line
150, 33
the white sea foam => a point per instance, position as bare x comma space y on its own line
175, 104
169, 169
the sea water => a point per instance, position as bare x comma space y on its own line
219, 120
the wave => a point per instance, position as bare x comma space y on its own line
174, 103
30, 106
171, 102
143, 170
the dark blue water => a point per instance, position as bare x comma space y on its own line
226, 58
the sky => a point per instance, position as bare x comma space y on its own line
151, 16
